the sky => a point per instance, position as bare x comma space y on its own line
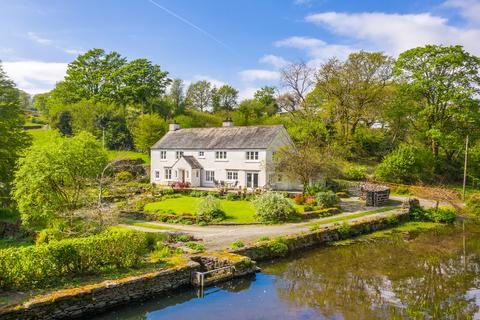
240, 42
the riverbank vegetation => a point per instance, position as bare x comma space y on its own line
369, 117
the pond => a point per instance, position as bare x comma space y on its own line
434, 274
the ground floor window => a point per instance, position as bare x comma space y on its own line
168, 173
157, 174
232, 175
209, 175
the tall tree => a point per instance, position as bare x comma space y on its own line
224, 98
176, 96
141, 82
199, 95
266, 96
13, 139
91, 76
355, 89
447, 79
52, 179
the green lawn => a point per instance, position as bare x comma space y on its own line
353, 216
237, 211
147, 225
125, 154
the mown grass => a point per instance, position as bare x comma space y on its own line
352, 216
147, 225
239, 211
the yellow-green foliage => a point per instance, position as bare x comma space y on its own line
36, 266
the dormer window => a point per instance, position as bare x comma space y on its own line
252, 155
178, 154
220, 155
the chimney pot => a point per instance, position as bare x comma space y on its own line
173, 126
228, 122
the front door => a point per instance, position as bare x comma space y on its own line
182, 175
252, 180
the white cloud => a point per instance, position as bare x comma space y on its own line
303, 2
276, 61
317, 49
35, 76
74, 51
199, 77
251, 75
34, 37
395, 33
468, 9
246, 93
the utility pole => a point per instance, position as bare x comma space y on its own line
465, 169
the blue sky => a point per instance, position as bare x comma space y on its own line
240, 42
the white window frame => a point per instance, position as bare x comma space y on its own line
220, 155
252, 155
209, 175
232, 175
201, 154
178, 154
157, 174
167, 173
163, 154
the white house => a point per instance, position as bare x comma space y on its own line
236, 156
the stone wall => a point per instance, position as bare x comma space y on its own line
73, 303
265, 250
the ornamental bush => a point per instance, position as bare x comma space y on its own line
356, 173
209, 208
273, 207
41, 265
327, 199
124, 176
406, 164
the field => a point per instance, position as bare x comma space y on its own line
42, 136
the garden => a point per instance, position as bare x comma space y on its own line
187, 206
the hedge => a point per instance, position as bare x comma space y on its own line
40, 265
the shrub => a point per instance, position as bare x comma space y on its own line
209, 208
279, 246
231, 196
198, 194
168, 191
406, 164
183, 238
299, 199
273, 207
315, 188
124, 176
473, 204
441, 214
264, 238
36, 266
327, 199
310, 201
195, 246
8, 214
356, 173
237, 245
344, 229
392, 220
181, 185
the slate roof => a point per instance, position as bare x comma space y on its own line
247, 137
194, 164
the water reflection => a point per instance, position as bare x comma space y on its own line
432, 276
